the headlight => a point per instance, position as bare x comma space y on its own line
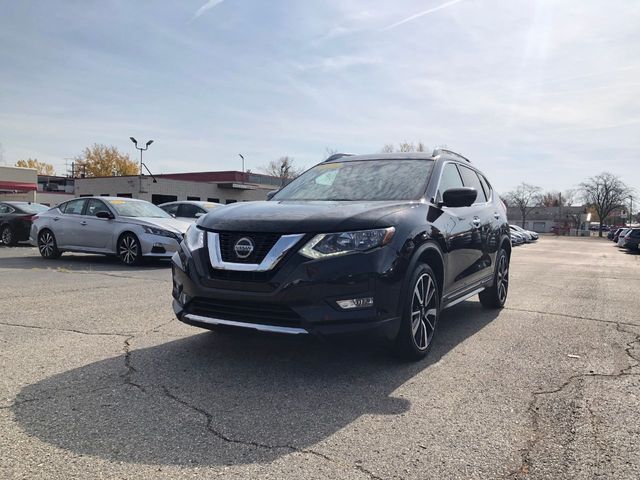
161, 232
333, 244
194, 238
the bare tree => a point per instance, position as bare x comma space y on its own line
525, 197
605, 193
283, 168
404, 147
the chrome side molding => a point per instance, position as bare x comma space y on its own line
271, 259
254, 326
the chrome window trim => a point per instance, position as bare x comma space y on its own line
255, 326
271, 259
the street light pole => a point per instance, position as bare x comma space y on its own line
135, 142
242, 157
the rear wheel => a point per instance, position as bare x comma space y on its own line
7, 236
495, 296
129, 251
47, 245
420, 315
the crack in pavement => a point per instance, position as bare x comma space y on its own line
526, 462
250, 443
65, 330
575, 317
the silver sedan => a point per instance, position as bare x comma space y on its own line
131, 229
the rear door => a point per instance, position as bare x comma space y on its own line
66, 227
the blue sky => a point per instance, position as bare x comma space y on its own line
544, 91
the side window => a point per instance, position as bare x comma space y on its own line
450, 178
4, 208
74, 207
94, 206
171, 209
486, 186
187, 210
470, 179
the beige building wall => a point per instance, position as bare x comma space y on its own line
145, 189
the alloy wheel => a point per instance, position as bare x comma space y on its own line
502, 282
128, 249
7, 236
47, 244
424, 311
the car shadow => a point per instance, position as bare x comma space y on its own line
220, 399
78, 262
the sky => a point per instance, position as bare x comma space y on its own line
542, 91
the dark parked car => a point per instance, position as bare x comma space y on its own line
370, 242
632, 239
15, 220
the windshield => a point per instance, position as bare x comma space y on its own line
360, 180
129, 208
33, 207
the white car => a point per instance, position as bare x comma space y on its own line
623, 234
130, 229
189, 210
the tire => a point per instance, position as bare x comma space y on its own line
420, 315
7, 236
128, 250
495, 296
47, 245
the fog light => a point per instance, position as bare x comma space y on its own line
355, 303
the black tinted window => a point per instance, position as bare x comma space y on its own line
171, 209
74, 207
450, 178
360, 180
486, 186
188, 211
470, 179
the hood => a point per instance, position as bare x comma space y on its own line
302, 216
171, 224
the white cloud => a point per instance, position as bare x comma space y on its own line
207, 6
421, 14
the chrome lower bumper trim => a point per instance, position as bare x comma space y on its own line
254, 326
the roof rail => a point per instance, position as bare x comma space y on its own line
336, 156
438, 151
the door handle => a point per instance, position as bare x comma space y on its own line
83, 222
496, 216
55, 219
476, 222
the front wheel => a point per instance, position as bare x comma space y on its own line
420, 315
129, 250
47, 245
495, 296
7, 236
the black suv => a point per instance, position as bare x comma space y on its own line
358, 242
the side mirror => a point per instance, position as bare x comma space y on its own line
459, 197
105, 215
271, 194
199, 214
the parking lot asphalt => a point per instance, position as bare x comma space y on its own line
100, 381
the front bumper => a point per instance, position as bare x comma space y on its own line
157, 246
298, 297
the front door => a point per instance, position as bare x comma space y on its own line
96, 232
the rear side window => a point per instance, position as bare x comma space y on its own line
470, 179
6, 209
74, 207
450, 178
486, 186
